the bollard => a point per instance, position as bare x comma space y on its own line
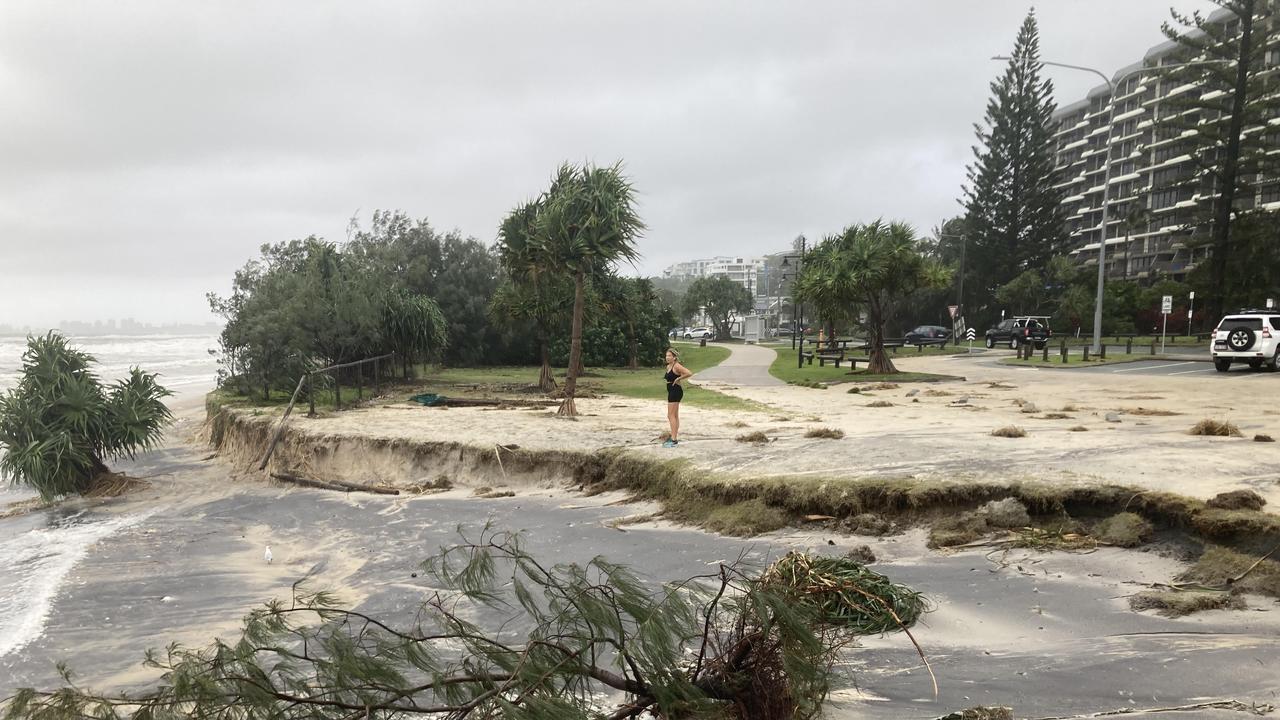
1102, 351
376, 384
311, 395
1046, 353
1085, 355
360, 381
337, 390
1064, 353
1153, 347
1128, 347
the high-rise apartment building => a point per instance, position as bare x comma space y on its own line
742, 270
1156, 187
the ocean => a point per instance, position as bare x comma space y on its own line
38, 551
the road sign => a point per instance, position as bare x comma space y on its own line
952, 309
1166, 304
970, 334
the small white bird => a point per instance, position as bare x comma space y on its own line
267, 555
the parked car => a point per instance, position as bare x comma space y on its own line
928, 335
1249, 336
1020, 330
678, 332
698, 333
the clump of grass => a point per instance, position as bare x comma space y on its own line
1237, 500
1179, 603
440, 484
825, 433
1043, 539
814, 384
1009, 431
1223, 568
1148, 412
1001, 386
854, 390
880, 403
1263, 438
885, 386
957, 530
846, 593
1124, 529
1055, 416
737, 424
1215, 428
1078, 428
1070, 407
746, 518
755, 438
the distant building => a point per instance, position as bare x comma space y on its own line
1151, 172
742, 270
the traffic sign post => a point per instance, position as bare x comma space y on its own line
970, 335
1166, 307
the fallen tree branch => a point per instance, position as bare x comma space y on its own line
335, 485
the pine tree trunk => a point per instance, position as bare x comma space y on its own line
567, 407
546, 380
1227, 181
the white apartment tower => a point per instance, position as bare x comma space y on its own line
1155, 185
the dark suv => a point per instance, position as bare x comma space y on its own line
1020, 330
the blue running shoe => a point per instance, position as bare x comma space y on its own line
669, 443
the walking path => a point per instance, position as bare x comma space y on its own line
747, 366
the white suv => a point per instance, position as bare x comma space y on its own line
1251, 336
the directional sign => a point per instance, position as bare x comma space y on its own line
970, 334
1166, 304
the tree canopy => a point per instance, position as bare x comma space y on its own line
719, 298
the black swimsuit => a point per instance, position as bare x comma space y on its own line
675, 393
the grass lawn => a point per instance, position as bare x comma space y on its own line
1074, 360
784, 368
645, 383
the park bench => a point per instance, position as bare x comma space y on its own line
825, 351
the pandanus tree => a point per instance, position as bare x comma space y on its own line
60, 424
586, 221
870, 266
529, 293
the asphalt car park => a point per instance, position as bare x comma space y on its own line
1179, 368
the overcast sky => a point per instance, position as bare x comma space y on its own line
148, 149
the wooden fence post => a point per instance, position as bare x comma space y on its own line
1085, 354
1064, 353
1102, 351
337, 390
311, 395
376, 385
360, 381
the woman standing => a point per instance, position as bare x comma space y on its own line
676, 374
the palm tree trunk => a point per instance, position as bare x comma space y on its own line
879, 364
546, 380
567, 408
634, 361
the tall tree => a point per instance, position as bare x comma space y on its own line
529, 291
1013, 213
587, 221
1235, 92
874, 266
719, 298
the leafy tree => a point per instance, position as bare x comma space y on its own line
730, 644
719, 298
1236, 94
59, 424
873, 266
1254, 264
587, 221
1013, 213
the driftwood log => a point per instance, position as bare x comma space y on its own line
335, 485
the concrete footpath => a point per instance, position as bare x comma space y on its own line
747, 366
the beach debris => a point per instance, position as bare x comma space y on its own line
166, 599
1055, 416
861, 554
846, 593
824, 433
817, 518
980, 712
1178, 603
1148, 412
1237, 500
1260, 437
1009, 431
913, 392
1215, 428
868, 524
1030, 408
961, 401
335, 485
755, 438
1078, 428
1112, 417
879, 404
267, 555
